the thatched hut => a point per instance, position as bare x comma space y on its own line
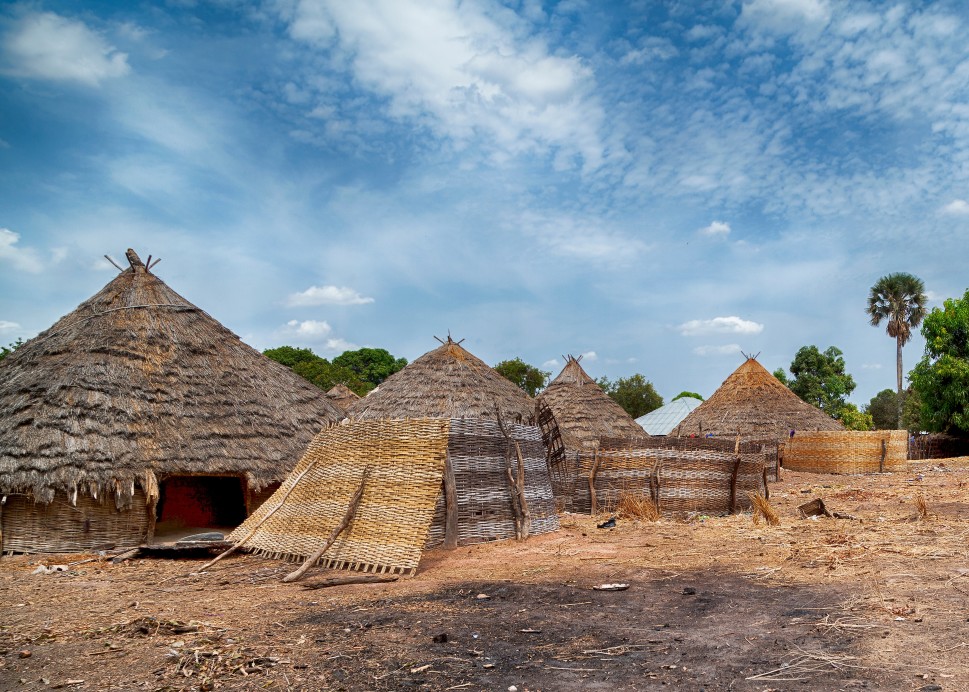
449, 382
583, 412
342, 397
137, 408
755, 405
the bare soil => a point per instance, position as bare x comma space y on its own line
877, 602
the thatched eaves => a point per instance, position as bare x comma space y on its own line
448, 382
583, 412
137, 383
756, 405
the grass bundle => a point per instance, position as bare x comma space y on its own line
637, 506
922, 508
762, 508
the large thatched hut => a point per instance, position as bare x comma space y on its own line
137, 408
755, 405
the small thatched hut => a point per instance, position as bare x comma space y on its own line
448, 382
137, 408
755, 405
342, 397
583, 412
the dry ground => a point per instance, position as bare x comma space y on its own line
879, 602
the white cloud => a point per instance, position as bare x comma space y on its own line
724, 350
871, 366
47, 46
787, 16
717, 229
339, 345
328, 295
7, 326
582, 239
464, 69
720, 325
24, 259
589, 356
553, 363
957, 207
308, 329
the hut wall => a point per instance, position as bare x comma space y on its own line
477, 451
59, 527
847, 451
201, 501
681, 475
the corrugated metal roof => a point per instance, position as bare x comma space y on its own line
662, 420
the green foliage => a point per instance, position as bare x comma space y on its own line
912, 411
853, 419
10, 348
883, 409
370, 365
683, 394
941, 378
820, 378
635, 394
526, 376
781, 374
316, 369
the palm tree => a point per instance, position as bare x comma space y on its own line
899, 299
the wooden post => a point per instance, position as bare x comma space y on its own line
881, 462
516, 486
593, 505
450, 506
344, 523
733, 476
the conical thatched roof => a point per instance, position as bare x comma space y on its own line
583, 412
754, 404
342, 396
447, 382
138, 381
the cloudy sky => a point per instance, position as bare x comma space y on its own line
659, 186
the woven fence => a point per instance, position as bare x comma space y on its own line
479, 456
937, 446
680, 475
61, 527
876, 451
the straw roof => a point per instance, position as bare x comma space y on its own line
583, 412
754, 404
342, 396
138, 381
448, 382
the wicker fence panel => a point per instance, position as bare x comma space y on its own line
478, 453
847, 451
59, 527
682, 475
387, 534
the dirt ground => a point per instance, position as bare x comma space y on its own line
875, 602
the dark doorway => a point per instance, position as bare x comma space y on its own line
200, 502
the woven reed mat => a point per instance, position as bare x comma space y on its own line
388, 531
847, 451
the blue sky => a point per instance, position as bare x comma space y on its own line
659, 186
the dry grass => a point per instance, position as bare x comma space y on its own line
636, 506
921, 507
762, 508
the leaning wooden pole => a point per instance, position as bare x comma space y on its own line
516, 486
344, 523
262, 521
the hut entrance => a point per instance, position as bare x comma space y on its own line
190, 504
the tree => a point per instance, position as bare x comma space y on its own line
371, 365
854, 419
883, 409
635, 394
781, 375
526, 376
820, 378
10, 348
941, 378
683, 394
899, 299
316, 369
